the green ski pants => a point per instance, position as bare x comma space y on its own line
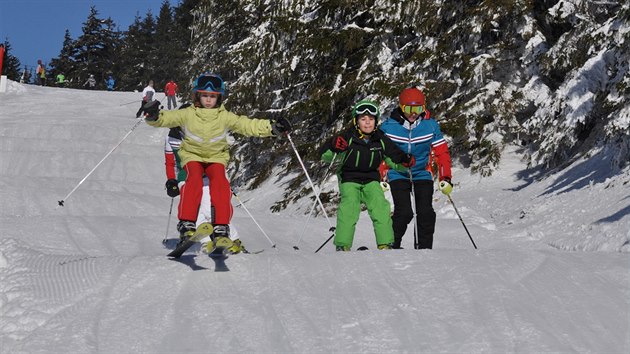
352, 194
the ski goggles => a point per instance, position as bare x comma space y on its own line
412, 109
366, 109
209, 83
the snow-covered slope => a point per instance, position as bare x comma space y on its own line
92, 276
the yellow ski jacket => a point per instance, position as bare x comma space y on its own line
206, 131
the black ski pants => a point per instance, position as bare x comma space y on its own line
139, 113
403, 212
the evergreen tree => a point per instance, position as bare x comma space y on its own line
181, 53
137, 54
165, 37
10, 64
96, 48
26, 76
128, 78
151, 56
65, 63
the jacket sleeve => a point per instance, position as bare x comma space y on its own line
439, 147
326, 151
392, 150
328, 156
398, 167
249, 126
170, 119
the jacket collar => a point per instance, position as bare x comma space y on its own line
375, 136
399, 117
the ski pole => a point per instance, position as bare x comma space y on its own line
311, 182
462, 221
308, 177
61, 202
168, 223
315, 203
124, 104
416, 243
332, 229
273, 245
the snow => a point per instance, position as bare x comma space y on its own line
385, 57
579, 90
551, 273
294, 62
563, 9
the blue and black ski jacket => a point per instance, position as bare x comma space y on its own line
421, 138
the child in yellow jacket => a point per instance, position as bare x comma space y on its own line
205, 150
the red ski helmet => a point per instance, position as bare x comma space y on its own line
411, 97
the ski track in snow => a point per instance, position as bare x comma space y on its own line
92, 277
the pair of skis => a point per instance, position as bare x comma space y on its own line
204, 230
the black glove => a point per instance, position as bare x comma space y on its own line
280, 126
409, 161
339, 144
171, 188
151, 110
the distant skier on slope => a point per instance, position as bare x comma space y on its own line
411, 127
176, 177
170, 90
361, 150
205, 150
41, 73
110, 82
147, 96
90, 82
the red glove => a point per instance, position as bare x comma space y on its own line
411, 161
340, 144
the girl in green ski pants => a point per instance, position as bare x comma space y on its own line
361, 149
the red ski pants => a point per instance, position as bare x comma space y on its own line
220, 192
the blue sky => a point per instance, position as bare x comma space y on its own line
35, 28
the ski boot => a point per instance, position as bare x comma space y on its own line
386, 246
221, 237
204, 231
237, 247
207, 247
186, 230
343, 248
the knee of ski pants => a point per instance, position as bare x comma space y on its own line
403, 214
426, 216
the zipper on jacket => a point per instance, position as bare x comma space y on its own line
409, 152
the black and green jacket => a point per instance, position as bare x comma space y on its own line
361, 160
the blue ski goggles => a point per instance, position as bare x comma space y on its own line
209, 83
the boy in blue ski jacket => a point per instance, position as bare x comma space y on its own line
411, 127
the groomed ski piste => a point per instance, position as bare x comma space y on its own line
552, 272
